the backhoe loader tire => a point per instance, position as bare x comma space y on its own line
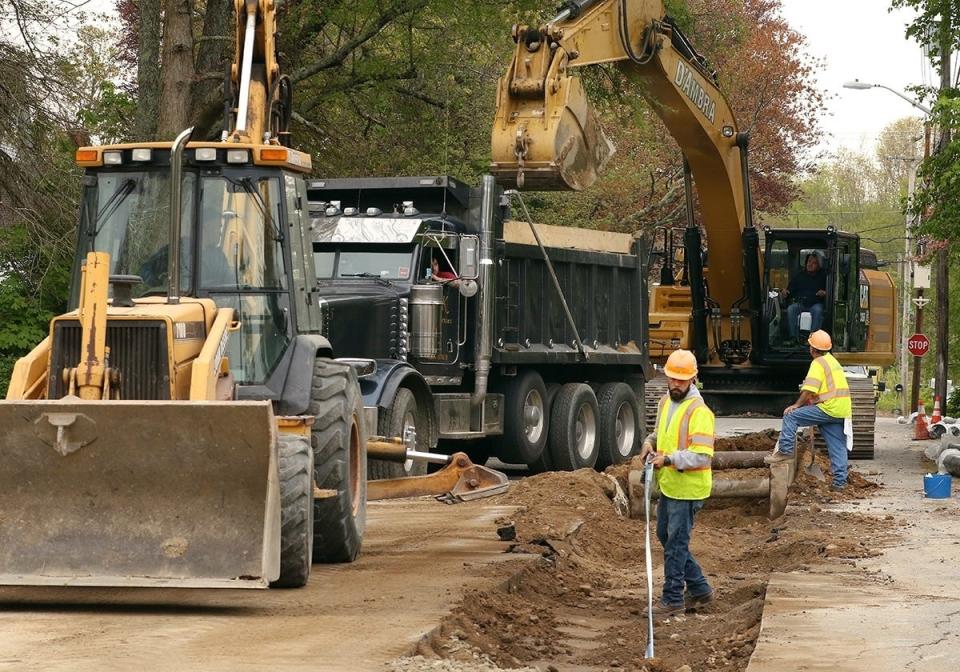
619, 424
339, 442
296, 513
403, 412
574, 428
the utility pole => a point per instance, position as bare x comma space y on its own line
906, 276
920, 301
943, 267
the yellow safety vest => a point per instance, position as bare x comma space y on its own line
690, 428
826, 379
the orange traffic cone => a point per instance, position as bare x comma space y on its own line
936, 417
920, 430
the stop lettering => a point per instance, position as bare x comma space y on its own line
918, 345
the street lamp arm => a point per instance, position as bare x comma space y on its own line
920, 106
861, 86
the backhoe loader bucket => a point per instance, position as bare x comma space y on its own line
550, 142
139, 493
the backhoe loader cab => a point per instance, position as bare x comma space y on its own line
241, 240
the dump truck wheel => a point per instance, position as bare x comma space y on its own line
402, 413
525, 425
340, 462
573, 428
619, 424
296, 513
545, 462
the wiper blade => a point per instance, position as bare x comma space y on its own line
372, 276
116, 199
247, 184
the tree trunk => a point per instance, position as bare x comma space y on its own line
148, 70
177, 76
213, 55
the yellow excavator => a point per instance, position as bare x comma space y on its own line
186, 424
730, 304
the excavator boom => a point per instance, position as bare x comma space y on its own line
546, 134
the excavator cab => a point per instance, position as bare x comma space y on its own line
810, 282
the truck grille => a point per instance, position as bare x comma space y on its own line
137, 348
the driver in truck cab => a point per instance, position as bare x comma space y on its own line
807, 292
439, 271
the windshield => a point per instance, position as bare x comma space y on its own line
241, 241
365, 262
126, 214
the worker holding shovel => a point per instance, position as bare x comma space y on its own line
681, 449
824, 402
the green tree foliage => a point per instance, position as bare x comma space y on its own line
55, 93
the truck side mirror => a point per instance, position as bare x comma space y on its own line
469, 263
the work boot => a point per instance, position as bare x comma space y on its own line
663, 610
699, 600
838, 488
776, 457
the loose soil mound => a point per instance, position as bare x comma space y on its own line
583, 605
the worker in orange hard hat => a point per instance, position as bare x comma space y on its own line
825, 403
681, 448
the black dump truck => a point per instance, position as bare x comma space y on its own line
451, 314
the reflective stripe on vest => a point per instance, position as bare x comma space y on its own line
831, 392
683, 442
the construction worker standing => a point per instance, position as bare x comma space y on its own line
681, 449
824, 402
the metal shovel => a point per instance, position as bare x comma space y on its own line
813, 469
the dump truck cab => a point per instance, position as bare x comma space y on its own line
373, 266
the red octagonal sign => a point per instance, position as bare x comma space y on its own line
918, 345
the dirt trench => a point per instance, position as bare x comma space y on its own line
582, 606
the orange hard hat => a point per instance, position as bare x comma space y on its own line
681, 365
820, 340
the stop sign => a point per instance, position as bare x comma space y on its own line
918, 344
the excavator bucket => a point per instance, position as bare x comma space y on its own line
139, 493
548, 142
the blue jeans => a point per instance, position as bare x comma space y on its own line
831, 429
674, 525
793, 317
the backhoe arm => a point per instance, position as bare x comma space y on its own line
546, 136
260, 111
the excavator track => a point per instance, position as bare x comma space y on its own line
652, 392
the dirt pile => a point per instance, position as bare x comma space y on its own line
582, 605
764, 440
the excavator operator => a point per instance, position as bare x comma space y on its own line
807, 291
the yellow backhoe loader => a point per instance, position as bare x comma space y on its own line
729, 305
186, 424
